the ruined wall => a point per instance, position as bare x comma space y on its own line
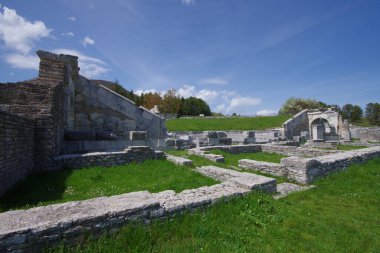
366, 133
100, 109
296, 124
16, 149
41, 100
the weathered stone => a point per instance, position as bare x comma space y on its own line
179, 160
138, 135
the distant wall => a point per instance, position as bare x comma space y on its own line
366, 133
16, 149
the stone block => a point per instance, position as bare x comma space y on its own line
225, 141
213, 141
212, 134
138, 135
221, 135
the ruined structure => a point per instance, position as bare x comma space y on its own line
61, 112
325, 125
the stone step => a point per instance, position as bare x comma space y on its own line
284, 189
178, 160
200, 197
243, 179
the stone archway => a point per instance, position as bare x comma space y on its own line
319, 128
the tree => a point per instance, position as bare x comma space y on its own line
294, 105
193, 106
151, 99
357, 113
372, 113
347, 111
170, 103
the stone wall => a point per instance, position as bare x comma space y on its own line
366, 133
306, 170
295, 125
32, 229
237, 136
41, 100
106, 159
16, 149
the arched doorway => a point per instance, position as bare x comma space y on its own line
320, 128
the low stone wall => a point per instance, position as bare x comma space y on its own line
366, 133
32, 229
296, 151
266, 167
306, 170
16, 149
269, 148
131, 154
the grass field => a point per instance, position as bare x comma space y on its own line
231, 160
340, 215
69, 185
233, 123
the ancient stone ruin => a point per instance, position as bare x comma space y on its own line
325, 125
52, 121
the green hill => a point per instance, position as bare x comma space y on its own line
233, 123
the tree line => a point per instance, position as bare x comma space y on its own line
171, 103
353, 113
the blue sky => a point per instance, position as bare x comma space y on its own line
242, 56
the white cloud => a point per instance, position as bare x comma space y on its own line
186, 91
68, 34
72, 18
214, 80
22, 61
266, 112
89, 66
224, 101
188, 2
242, 105
18, 33
87, 41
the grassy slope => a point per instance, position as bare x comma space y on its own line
69, 185
340, 215
234, 123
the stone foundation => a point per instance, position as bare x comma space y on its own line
16, 149
106, 159
32, 229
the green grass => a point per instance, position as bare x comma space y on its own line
349, 147
340, 215
70, 185
233, 123
232, 159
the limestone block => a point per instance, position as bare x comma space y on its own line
225, 141
212, 134
221, 135
249, 134
170, 142
213, 141
138, 135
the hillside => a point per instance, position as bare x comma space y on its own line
233, 123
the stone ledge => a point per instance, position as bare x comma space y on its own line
284, 189
178, 160
243, 179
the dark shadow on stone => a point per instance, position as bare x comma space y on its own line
36, 190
